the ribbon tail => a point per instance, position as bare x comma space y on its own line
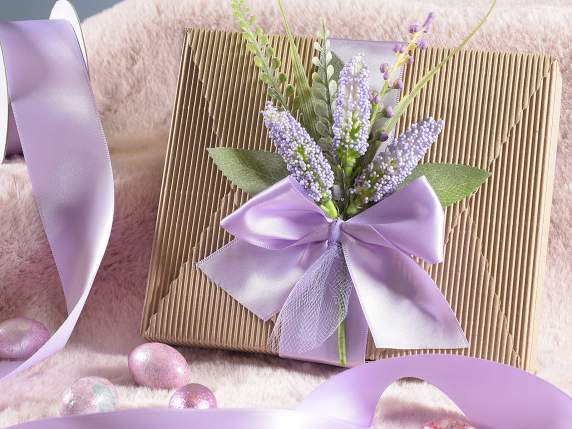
404, 308
258, 278
316, 306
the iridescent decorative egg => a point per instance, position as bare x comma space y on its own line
89, 395
158, 366
193, 396
21, 337
447, 423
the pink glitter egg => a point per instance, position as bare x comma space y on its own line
89, 395
158, 366
21, 337
193, 396
447, 423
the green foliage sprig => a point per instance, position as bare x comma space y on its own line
324, 88
258, 44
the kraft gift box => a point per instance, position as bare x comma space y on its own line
501, 112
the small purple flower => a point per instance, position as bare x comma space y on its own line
388, 112
352, 110
304, 158
391, 167
428, 21
422, 44
398, 84
386, 75
384, 68
414, 28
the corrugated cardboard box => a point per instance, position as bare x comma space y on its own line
501, 112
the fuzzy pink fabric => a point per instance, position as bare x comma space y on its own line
134, 53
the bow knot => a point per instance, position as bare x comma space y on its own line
335, 231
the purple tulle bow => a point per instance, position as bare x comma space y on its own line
290, 259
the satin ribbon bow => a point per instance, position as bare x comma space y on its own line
290, 258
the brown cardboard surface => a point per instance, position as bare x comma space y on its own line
501, 112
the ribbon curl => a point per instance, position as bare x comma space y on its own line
290, 258
491, 396
55, 124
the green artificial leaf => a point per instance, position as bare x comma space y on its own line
338, 65
323, 128
324, 89
251, 170
451, 182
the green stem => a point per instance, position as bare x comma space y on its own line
352, 209
342, 353
330, 208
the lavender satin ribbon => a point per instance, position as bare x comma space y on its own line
286, 249
492, 396
54, 122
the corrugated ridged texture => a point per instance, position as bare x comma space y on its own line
501, 112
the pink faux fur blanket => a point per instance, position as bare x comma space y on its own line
134, 53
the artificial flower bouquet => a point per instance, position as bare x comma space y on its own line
327, 243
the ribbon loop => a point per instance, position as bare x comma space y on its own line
492, 396
280, 217
410, 220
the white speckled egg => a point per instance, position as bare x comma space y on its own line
21, 337
158, 366
89, 395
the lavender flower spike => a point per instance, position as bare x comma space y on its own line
391, 167
352, 113
304, 158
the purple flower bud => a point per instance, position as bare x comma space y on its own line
304, 158
398, 84
386, 75
352, 109
388, 112
384, 67
372, 95
414, 28
383, 137
422, 44
392, 166
428, 21
399, 48
377, 99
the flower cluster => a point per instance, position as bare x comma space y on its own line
304, 158
404, 55
392, 166
351, 113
